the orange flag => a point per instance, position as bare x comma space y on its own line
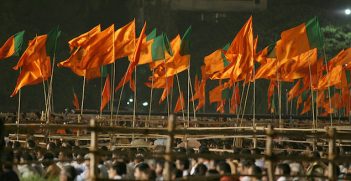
241, 55
75, 101
100, 50
235, 100
180, 103
73, 63
215, 94
106, 93
83, 39
12, 46
125, 40
333, 78
136, 55
271, 87
306, 106
167, 89
35, 64
294, 91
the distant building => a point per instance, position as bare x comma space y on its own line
218, 5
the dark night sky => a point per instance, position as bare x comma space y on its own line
75, 17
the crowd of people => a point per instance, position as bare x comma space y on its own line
67, 162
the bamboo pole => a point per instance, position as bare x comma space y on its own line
188, 87
329, 95
120, 95
135, 98
113, 78
93, 149
151, 96
192, 93
168, 156
331, 154
18, 112
269, 152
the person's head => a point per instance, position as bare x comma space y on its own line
200, 170
257, 171
119, 168
51, 146
30, 144
223, 168
182, 164
26, 157
142, 171
138, 158
244, 166
283, 169
16, 145
48, 159
68, 173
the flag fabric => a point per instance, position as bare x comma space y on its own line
106, 93
155, 49
332, 78
270, 93
135, 60
83, 39
300, 39
235, 99
218, 94
216, 61
78, 47
125, 40
294, 91
180, 103
100, 50
240, 55
306, 105
34, 63
12, 46
75, 101
52, 41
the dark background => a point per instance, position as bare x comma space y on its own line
210, 32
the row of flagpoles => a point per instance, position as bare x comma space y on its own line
297, 58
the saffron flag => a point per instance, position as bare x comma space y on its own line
83, 39
135, 60
75, 101
180, 103
12, 46
106, 93
100, 50
216, 61
125, 40
35, 64
332, 78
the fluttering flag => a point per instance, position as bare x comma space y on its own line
34, 63
218, 94
83, 39
125, 40
241, 55
134, 62
100, 50
300, 39
235, 100
75, 101
216, 61
270, 93
12, 46
180, 103
332, 78
294, 91
106, 93
78, 47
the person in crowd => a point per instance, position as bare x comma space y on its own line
118, 171
68, 173
142, 172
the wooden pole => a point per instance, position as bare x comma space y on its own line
329, 95
269, 151
113, 92
18, 112
168, 156
331, 154
192, 93
135, 98
83, 93
151, 96
93, 146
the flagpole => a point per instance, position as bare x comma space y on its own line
100, 94
312, 97
188, 94
120, 95
83, 93
192, 93
244, 109
113, 78
135, 99
18, 111
329, 95
50, 95
151, 96
254, 108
